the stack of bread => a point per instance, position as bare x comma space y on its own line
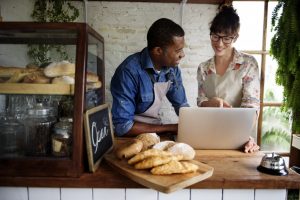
56, 72
161, 158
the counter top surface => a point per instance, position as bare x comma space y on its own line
232, 169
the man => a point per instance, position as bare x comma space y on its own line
144, 78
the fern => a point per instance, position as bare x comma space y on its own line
285, 48
279, 137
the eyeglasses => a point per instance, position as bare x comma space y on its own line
225, 39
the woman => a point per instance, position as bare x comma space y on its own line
230, 78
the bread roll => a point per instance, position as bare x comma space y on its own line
62, 68
148, 139
129, 149
63, 80
163, 145
183, 149
174, 167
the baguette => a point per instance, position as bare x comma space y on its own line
7, 72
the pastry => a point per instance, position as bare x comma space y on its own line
62, 68
182, 149
129, 149
155, 161
163, 145
148, 153
148, 139
174, 167
63, 80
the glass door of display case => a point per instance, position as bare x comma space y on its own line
50, 74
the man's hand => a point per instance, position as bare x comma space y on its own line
216, 102
251, 146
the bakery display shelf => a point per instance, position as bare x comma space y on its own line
30, 88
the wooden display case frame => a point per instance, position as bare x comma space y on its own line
50, 166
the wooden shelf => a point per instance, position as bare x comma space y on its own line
32, 88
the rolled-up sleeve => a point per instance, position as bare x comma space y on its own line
123, 90
176, 95
200, 79
251, 86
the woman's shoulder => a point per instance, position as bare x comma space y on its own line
206, 64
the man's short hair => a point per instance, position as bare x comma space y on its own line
161, 33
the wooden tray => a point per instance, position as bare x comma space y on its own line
162, 183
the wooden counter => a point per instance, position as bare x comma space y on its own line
232, 169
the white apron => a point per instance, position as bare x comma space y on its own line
151, 115
228, 87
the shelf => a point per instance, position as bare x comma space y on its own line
32, 88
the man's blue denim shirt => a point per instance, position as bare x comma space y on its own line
132, 89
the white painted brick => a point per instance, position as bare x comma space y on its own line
206, 194
76, 194
263, 194
13, 193
177, 195
109, 194
44, 193
138, 194
238, 194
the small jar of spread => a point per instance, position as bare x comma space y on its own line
61, 137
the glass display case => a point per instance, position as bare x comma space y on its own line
50, 74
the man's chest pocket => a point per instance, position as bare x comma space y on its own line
144, 102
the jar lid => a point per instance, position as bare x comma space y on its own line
39, 110
63, 133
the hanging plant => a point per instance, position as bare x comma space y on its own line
285, 48
51, 11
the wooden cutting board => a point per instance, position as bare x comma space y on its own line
162, 183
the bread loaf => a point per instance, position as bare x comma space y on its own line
91, 86
163, 145
92, 77
62, 68
63, 80
183, 149
148, 139
129, 149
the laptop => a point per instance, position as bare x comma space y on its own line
216, 128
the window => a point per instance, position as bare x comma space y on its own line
274, 131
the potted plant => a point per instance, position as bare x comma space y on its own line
285, 48
51, 11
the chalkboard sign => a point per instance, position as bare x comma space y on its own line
98, 133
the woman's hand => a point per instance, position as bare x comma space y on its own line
251, 146
216, 102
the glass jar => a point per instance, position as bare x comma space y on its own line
12, 137
39, 123
62, 138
